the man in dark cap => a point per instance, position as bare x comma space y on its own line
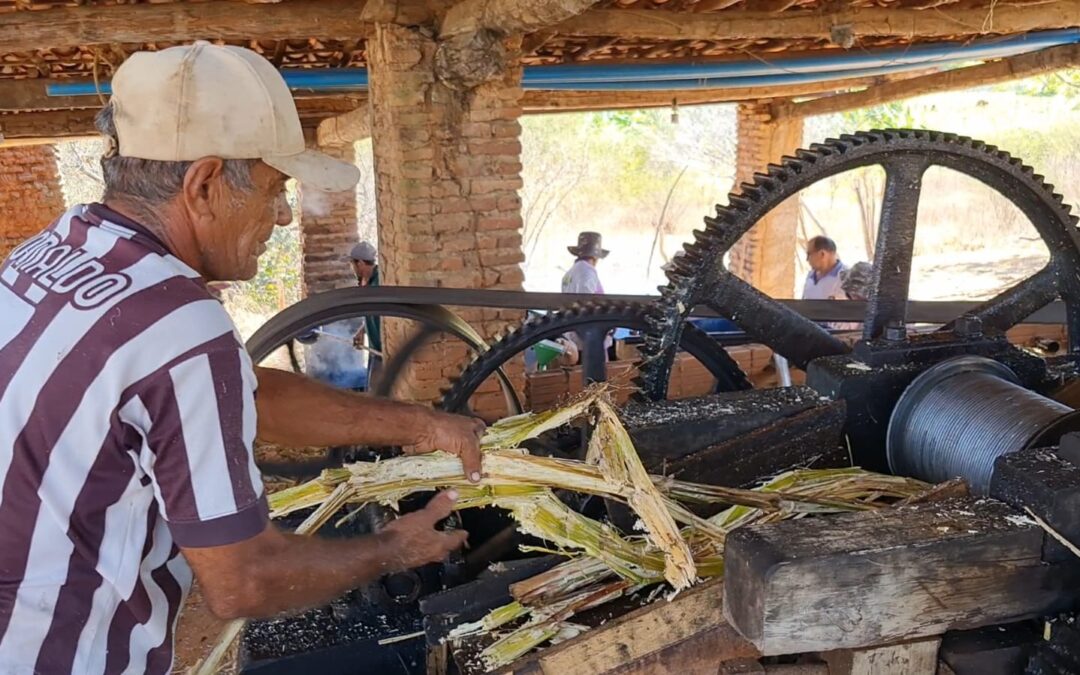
365, 264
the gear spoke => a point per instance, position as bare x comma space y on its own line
1015, 304
789, 333
895, 243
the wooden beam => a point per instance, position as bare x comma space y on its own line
940, 22
874, 578
345, 128
30, 95
690, 627
508, 17
66, 27
919, 657
52, 125
1004, 70
577, 101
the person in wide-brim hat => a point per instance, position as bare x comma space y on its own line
589, 245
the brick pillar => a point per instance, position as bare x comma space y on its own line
765, 256
328, 232
30, 193
448, 171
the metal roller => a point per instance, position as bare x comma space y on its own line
962, 414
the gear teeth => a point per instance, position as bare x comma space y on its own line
739, 202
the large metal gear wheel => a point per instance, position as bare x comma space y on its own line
600, 314
700, 278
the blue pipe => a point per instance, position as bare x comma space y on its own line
772, 80
708, 75
917, 56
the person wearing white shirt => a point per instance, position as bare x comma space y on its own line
824, 280
582, 277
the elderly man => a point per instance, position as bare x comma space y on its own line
128, 406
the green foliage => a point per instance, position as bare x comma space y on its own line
1064, 84
895, 115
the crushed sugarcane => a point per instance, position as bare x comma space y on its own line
602, 564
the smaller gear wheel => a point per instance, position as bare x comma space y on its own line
601, 314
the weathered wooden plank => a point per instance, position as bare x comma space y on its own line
919, 657
939, 22
59, 124
662, 630
873, 578
509, 16
65, 27
1004, 70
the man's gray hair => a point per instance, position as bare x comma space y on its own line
151, 182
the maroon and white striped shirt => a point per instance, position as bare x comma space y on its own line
127, 416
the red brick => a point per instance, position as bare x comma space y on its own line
498, 223
452, 222
495, 147
488, 185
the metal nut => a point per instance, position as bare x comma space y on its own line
968, 326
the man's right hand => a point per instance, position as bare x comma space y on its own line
413, 540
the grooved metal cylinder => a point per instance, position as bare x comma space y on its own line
959, 416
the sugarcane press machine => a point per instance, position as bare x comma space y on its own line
975, 575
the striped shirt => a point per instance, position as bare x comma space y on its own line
127, 416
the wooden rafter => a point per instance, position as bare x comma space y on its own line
509, 16
67, 27
935, 23
16, 95
1012, 68
80, 26
59, 124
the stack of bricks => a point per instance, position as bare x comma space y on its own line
30, 193
765, 256
328, 232
448, 168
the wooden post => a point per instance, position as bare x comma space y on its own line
765, 256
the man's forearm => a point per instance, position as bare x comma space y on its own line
274, 572
302, 572
296, 410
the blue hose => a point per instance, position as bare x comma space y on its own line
700, 75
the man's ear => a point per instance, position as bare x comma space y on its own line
203, 184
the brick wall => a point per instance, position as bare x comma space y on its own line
448, 171
327, 232
30, 193
765, 256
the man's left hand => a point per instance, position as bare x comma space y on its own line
455, 434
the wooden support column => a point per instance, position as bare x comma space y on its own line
765, 256
448, 171
30, 193
328, 231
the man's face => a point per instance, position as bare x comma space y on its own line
244, 221
362, 269
821, 260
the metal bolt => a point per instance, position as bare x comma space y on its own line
968, 326
895, 331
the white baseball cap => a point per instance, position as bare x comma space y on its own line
202, 100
